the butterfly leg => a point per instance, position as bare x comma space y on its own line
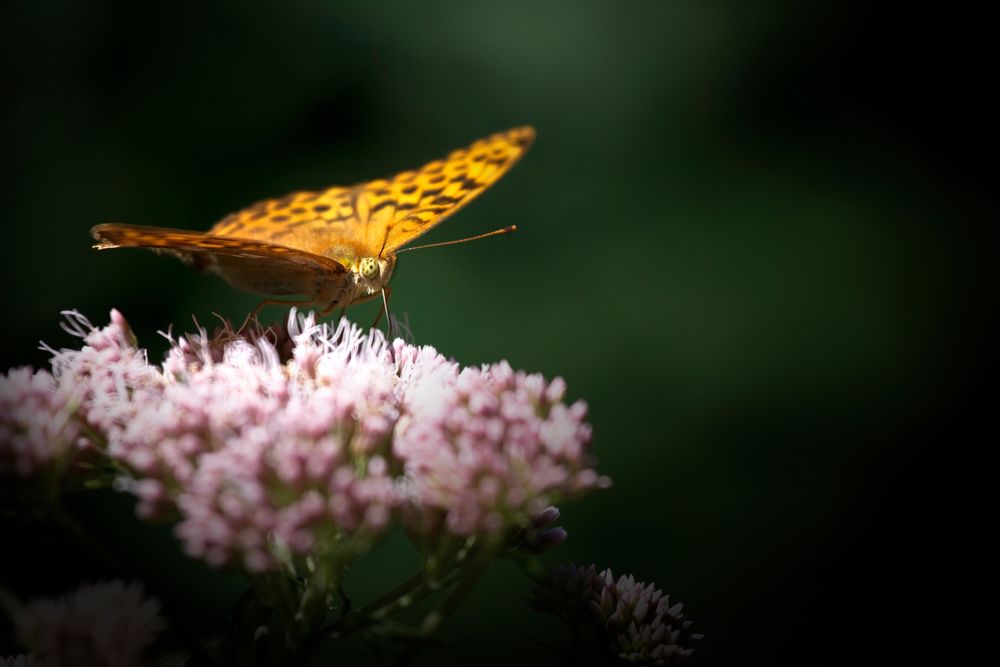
251, 317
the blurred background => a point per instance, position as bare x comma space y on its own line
748, 238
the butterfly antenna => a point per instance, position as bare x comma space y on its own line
496, 232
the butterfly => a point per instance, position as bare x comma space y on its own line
335, 247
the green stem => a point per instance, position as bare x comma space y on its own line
470, 576
419, 593
414, 589
316, 599
466, 565
273, 588
374, 607
381, 607
314, 605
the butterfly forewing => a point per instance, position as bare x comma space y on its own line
421, 199
306, 220
381, 215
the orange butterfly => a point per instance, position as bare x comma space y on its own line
336, 247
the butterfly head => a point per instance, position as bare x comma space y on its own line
369, 269
373, 272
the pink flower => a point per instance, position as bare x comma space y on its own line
281, 442
105, 374
109, 624
631, 620
263, 459
38, 423
646, 627
46, 418
488, 448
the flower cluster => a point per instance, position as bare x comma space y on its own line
109, 623
621, 620
268, 444
38, 428
490, 447
104, 375
265, 459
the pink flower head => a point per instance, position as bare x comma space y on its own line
109, 624
106, 373
272, 443
263, 459
489, 447
646, 627
630, 620
38, 423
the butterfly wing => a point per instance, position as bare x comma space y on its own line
255, 266
309, 221
413, 202
381, 215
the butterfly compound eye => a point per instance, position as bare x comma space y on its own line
369, 268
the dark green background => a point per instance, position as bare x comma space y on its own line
747, 240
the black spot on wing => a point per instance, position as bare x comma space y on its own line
381, 205
467, 184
